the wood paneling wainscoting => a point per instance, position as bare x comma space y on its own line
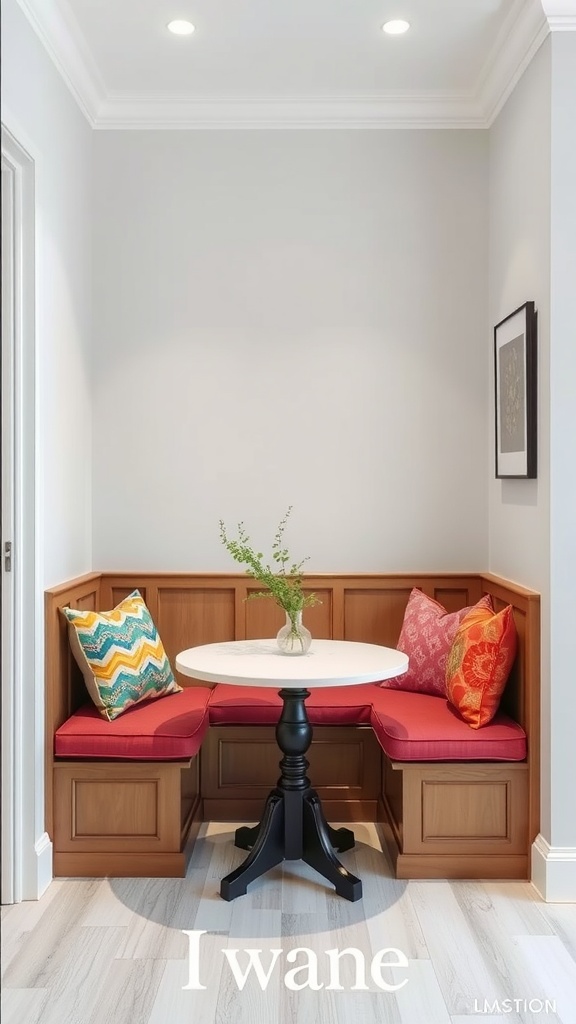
202, 609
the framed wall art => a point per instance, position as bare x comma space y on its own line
515, 405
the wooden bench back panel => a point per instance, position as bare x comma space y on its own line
64, 683
521, 698
188, 609
518, 699
191, 609
65, 688
263, 618
373, 609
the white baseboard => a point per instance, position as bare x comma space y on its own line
554, 871
43, 874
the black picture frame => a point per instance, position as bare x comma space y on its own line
515, 362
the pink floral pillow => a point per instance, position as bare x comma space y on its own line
427, 636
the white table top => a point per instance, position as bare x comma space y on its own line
260, 662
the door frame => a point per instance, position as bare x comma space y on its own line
26, 849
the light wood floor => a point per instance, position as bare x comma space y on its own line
113, 951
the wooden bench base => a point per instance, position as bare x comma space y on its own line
128, 819
240, 767
459, 820
125, 819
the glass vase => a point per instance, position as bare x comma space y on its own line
293, 637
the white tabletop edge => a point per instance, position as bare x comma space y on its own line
260, 663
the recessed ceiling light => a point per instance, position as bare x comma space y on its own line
396, 28
181, 28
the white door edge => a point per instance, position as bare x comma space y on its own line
22, 687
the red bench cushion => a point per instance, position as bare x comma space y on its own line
261, 705
169, 729
419, 727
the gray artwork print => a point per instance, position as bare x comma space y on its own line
512, 396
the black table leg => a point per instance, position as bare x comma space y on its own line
319, 854
341, 839
268, 850
293, 826
245, 836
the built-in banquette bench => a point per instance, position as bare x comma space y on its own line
373, 756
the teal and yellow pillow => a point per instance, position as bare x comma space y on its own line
120, 655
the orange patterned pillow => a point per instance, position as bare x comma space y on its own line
479, 663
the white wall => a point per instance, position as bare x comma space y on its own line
532, 255
519, 270
562, 448
40, 113
519, 263
291, 318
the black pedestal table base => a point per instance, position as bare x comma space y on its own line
293, 826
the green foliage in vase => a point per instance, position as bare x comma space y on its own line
284, 581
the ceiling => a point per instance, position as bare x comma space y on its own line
293, 63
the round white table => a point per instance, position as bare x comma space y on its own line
293, 825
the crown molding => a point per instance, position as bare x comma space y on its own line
562, 23
68, 50
525, 29
397, 111
528, 24
561, 14
520, 37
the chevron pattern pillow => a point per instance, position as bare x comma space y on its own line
120, 655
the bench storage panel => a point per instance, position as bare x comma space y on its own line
126, 819
240, 766
458, 820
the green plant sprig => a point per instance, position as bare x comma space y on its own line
284, 584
